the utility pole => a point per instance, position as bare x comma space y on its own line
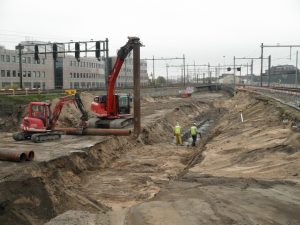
153, 76
269, 70
106, 63
251, 71
274, 46
153, 63
136, 89
183, 70
247, 70
296, 78
187, 73
194, 71
20, 47
234, 72
209, 74
167, 66
261, 62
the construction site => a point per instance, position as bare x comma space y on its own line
69, 164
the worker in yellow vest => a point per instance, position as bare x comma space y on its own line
177, 134
194, 132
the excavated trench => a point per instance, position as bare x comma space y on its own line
100, 183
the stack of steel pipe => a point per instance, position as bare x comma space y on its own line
16, 155
94, 131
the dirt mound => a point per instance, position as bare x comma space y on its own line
70, 115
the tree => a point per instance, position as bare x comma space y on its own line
160, 80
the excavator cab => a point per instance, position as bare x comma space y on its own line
122, 104
38, 116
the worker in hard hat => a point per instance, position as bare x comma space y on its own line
194, 132
177, 134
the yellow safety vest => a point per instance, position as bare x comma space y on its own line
193, 130
177, 129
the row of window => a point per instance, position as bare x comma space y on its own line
86, 64
6, 85
14, 73
86, 85
85, 75
14, 59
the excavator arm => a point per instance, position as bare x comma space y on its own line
78, 103
121, 56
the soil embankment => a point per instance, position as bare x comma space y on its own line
240, 173
247, 174
101, 182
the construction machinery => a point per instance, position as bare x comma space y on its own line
40, 123
113, 110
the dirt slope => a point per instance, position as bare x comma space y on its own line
247, 174
102, 181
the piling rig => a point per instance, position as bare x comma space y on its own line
113, 110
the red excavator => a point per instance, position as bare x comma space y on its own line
40, 123
113, 110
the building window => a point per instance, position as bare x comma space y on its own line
6, 84
38, 73
8, 73
71, 73
77, 75
29, 73
13, 59
7, 58
24, 73
43, 61
2, 73
80, 75
33, 74
14, 73
28, 60
27, 84
36, 85
44, 74
2, 58
23, 59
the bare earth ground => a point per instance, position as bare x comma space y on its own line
247, 173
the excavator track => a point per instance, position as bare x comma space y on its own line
110, 124
51, 136
18, 136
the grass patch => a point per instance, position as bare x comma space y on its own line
22, 100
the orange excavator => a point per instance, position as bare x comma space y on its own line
40, 123
113, 110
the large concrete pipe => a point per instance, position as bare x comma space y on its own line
94, 131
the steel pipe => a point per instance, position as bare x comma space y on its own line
94, 131
136, 90
12, 155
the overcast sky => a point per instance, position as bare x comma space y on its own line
204, 30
